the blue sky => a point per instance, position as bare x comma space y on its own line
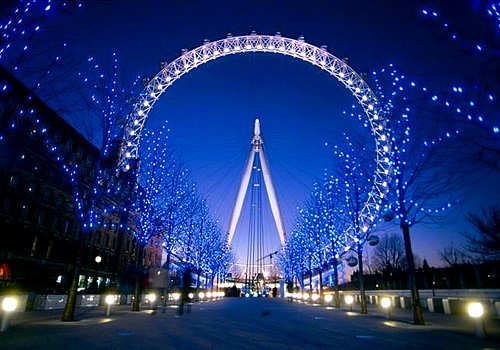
212, 109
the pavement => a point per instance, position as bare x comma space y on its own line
239, 323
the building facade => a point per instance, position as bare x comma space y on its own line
41, 236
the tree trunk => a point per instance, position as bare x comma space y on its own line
336, 281
418, 317
320, 284
69, 308
136, 304
364, 308
167, 282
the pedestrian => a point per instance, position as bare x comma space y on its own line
186, 289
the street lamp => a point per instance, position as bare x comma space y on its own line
476, 312
110, 300
152, 298
9, 304
386, 304
98, 260
349, 299
176, 297
315, 297
328, 299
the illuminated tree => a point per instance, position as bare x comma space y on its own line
334, 224
352, 171
42, 65
104, 195
426, 182
294, 258
471, 99
201, 243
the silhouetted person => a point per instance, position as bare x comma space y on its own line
275, 292
186, 288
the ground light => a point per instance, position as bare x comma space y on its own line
476, 312
176, 297
110, 300
9, 305
315, 297
201, 295
152, 298
349, 299
386, 304
328, 299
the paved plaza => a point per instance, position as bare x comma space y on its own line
234, 323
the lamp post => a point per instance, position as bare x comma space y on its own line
9, 304
110, 300
386, 304
349, 299
152, 300
98, 260
476, 312
328, 299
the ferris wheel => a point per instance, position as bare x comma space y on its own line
277, 44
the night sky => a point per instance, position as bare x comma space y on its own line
212, 109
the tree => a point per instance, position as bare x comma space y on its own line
164, 194
389, 252
486, 240
451, 255
389, 259
424, 175
472, 98
43, 65
335, 225
94, 194
354, 183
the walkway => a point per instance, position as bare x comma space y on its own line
234, 323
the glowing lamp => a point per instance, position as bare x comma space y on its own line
328, 298
475, 310
110, 299
349, 299
152, 297
9, 304
385, 302
176, 296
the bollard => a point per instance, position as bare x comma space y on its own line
9, 304
476, 312
386, 304
110, 299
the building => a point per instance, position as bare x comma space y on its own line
41, 237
